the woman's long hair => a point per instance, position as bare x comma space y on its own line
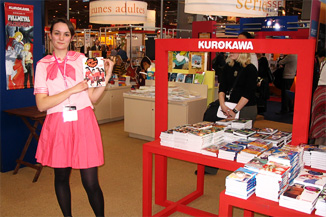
243, 58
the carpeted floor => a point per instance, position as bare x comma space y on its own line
120, 179
272, 108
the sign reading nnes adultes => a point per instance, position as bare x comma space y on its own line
117, 12
234, 45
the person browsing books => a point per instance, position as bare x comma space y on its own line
70, 136
238, 83
145, 65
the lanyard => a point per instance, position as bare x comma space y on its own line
63, 72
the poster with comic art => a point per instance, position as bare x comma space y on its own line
19, 25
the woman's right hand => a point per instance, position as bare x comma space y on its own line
81, 86
226, 110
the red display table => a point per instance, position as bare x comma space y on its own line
254, 204
161, 154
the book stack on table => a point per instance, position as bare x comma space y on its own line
241, 183
272, 180
279, 138
307, 154
241, 124
230, 151
321, 203
318, 158
167, 138
300, 197
303, 194
254, 149
289, 155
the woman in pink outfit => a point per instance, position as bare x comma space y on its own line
70, 137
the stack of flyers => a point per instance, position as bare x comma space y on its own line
241, 183
93, 70
241, 124
300, 197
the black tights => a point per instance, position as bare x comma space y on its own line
90, 182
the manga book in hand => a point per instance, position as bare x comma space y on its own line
94, 73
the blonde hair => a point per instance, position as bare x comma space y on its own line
18, 34
27, 44
243, 58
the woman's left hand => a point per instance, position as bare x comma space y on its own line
108, 67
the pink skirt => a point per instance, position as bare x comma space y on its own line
75, 144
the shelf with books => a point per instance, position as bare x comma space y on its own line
255, 204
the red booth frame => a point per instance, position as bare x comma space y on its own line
304, 48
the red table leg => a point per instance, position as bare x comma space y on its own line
147, 182
160, 179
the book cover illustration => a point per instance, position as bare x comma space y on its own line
232, 147
256, 163
189, 78
310, 177
173, 77
180, 77
150, 75
242, 175
196, 61
274, 168
199, 78
94, 73
301, 192
267, 130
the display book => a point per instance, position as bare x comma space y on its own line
303, 194
192, 137
93, 70
241, 183
196, 78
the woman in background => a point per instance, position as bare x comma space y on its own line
318, 119
239, 70
70, 137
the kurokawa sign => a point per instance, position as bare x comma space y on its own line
117, 12
232, 45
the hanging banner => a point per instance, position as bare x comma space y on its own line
19, 25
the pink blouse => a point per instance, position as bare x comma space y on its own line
49, 79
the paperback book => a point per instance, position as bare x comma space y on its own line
93, 70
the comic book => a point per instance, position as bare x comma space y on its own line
93, 70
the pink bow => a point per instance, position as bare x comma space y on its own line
52, 71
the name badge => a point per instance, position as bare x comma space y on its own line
70, 113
